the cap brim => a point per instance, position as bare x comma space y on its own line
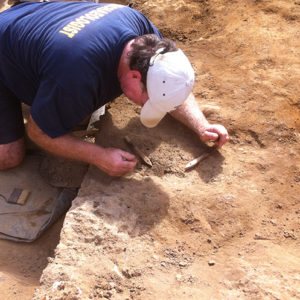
150, 115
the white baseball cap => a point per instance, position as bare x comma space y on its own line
170, 79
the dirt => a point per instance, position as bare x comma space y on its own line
229, 228
21, 264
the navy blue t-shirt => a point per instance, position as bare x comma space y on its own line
62, 57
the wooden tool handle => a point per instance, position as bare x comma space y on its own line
196, 161
145, 158
18, 196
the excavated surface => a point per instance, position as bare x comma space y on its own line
228, 229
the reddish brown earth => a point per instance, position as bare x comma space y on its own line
228, 229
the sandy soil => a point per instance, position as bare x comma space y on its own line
230, 228
21, 265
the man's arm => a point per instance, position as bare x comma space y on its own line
114, 162
190, 115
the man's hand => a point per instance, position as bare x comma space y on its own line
215, 133
117, 162
190, 115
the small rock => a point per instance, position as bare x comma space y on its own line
112, 285
211, 262
178, 277
107, 295
182, 264
287, 234
163, 264
131, 273
258, 236
50, 260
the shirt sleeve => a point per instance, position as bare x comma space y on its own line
140, 24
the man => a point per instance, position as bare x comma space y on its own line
67, 59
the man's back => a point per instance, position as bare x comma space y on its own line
62, 57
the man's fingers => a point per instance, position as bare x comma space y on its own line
128, 156
126, 167
221, 141
217, 134
211, 136
129, 164
223, 138
129, 161
118, 162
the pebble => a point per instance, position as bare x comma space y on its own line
182, 264
258, 236
211, 262
287, 234
178, 277
112, 285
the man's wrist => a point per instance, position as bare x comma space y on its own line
201, 129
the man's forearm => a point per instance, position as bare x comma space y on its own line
191, 116
66, 146
114, 162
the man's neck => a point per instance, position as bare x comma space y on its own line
123, 67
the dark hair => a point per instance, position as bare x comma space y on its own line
144, 47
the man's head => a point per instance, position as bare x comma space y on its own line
162, 74
143, 48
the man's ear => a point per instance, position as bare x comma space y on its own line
134, 74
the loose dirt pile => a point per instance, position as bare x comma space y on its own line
230, 228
